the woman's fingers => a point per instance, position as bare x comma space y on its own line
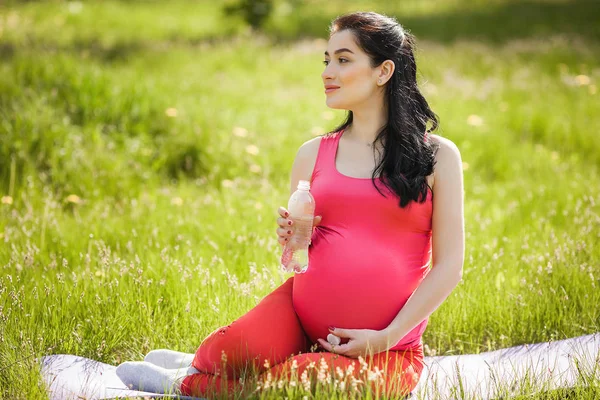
284, 232
284, 222
285, 226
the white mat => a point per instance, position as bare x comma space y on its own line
72, 377
544, 366
532, 367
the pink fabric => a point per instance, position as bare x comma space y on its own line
271, 331
366, 258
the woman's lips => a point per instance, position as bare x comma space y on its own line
330, 90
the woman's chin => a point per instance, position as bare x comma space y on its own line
335, 105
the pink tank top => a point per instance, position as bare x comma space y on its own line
366, 258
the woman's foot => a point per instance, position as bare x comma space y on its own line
169, 359
147, 377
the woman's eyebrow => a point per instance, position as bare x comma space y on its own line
340, 51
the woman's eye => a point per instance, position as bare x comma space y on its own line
341, 59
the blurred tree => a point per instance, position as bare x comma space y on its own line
254, 12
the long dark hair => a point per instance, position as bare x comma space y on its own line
408, 157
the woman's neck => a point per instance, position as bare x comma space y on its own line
366, 124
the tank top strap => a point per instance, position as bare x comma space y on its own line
325, 162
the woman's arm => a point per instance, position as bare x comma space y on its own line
304, 163
448, 241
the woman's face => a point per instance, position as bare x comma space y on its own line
347, 67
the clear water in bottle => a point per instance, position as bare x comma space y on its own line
301, 207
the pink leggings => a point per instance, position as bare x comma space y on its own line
269, 339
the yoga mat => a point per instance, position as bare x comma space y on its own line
73, 377
548, 366
495, 374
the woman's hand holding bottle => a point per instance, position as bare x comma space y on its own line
286, 226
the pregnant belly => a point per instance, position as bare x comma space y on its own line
348, 287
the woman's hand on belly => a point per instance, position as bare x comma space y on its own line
362, 342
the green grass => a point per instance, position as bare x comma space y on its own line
172, 232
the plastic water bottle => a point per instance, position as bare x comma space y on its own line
301, 207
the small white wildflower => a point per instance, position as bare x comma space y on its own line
350, 370
226, 183
582, 80
73, 198
339, 372
171, 112
305, 381
474, 120
252, 149
240, 132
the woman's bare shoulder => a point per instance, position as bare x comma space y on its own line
446, 147
310, 148
446, 154
305, 161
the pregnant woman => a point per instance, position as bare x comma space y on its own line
387, 247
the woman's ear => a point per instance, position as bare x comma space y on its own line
386, 70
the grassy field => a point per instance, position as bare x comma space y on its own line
146, 146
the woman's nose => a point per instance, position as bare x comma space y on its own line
327, 74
